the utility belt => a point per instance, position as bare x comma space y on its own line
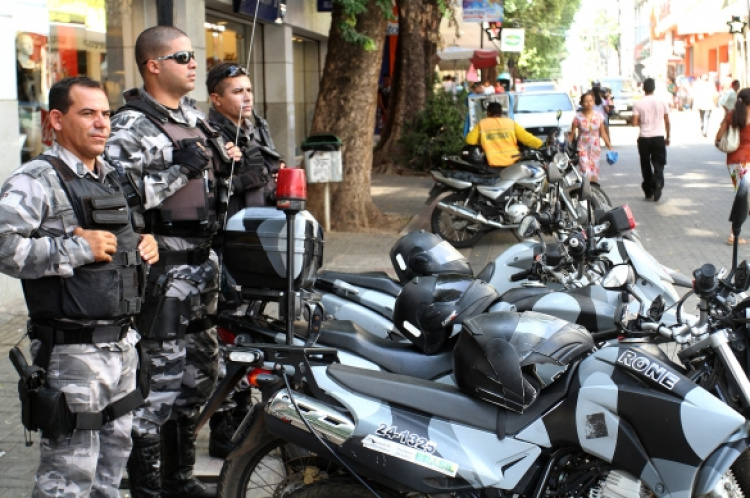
45, 408
168, 318
189, 257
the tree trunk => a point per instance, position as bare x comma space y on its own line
418, 35
346, 108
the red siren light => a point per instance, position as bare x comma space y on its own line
291, 185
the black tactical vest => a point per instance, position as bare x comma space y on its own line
96, 291
194, 210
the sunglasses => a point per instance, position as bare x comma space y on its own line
181, 57
230, 72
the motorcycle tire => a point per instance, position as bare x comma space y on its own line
741, 471
273, 468
459, 232
599, 199
335, 489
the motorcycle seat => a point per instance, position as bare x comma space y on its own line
376, 280
489, 178
446, 401
521, 293
397, 357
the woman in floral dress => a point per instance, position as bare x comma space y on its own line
588, 127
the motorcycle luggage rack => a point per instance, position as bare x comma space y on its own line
301, 359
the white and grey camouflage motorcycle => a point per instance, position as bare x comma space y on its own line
621, 421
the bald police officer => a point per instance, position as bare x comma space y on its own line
66, 232
172, 158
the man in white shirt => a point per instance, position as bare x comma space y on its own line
652, 116
729, 98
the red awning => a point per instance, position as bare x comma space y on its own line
483, 59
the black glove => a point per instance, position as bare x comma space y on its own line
192, 160
249, 180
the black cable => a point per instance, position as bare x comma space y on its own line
320, 440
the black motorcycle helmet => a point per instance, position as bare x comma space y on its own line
423, 253
428, 307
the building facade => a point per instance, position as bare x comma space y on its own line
283, 43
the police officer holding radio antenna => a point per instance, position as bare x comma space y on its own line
67, 233
253, 185
173, 159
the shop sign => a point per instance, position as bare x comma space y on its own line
483, 11
512, 40
268, 10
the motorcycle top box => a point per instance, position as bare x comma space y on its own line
255, 246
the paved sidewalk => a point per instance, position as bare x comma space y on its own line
685, 229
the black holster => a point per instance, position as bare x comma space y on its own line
160, 316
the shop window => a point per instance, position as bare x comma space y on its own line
72, 42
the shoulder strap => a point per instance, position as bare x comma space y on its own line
66, 176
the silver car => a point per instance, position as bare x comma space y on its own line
537, 112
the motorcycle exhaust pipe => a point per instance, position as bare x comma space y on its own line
325, 421
470, 214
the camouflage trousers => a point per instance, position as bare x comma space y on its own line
183, 371
89, 463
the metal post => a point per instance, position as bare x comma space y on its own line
290, 294
327, 206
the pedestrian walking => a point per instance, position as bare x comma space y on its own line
738, 161
587, 131
173, 157
80, 265
704, 99
651, 115
729, 98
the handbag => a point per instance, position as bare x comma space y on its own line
730, 140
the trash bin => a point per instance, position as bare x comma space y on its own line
322, 158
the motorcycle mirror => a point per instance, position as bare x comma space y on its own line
528, 227
619, 277
738, 215
559, 115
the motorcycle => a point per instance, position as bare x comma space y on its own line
484, 198
329, 429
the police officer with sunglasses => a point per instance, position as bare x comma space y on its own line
232, 106
173, 159
252, 184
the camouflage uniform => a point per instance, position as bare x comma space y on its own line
36, 240
184, 371
252, 185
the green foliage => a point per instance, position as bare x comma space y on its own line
353, 8
435, 131
546, 23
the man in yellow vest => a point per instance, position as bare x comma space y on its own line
499, 137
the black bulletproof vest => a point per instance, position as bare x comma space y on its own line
193, 210
101, 290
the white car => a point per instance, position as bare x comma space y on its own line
537, 112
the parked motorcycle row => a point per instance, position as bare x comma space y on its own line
543, 374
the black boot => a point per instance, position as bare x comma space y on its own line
222, 430
178, 460
144, 474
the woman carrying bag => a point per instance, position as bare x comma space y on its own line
738, 160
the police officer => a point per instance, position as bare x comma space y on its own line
66, 232
252, 185
231, 94
171, 156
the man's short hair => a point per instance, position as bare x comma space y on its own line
219, 73
735, 83
495, 109
59, 93
649, 85
153, 42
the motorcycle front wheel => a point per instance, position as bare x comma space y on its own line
599, 199
459, 232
